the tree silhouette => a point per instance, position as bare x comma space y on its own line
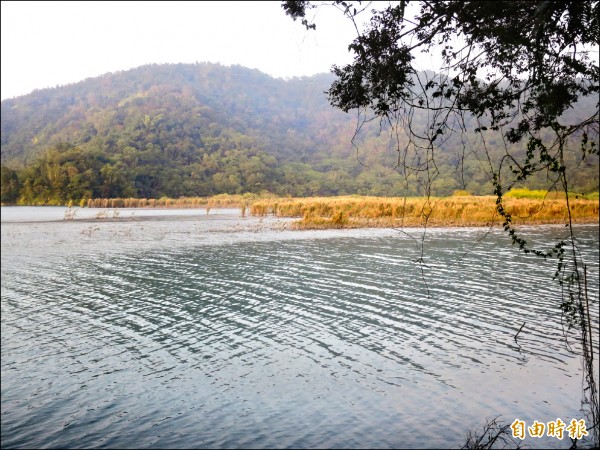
516, 70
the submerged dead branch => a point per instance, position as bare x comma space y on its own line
493, 436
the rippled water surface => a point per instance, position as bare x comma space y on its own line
196, 330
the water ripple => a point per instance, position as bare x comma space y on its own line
311, 342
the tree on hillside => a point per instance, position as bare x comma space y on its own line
513, 70
9, 185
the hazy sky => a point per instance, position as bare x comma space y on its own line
45, 44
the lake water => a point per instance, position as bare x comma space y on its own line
181, 329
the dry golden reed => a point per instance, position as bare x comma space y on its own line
361, 211
217, 201
358, 212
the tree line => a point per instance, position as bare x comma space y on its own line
204, 129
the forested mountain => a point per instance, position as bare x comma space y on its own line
202, 129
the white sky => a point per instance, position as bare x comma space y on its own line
45, 44
51, 43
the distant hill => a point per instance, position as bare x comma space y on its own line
203, 129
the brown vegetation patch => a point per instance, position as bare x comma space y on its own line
359, 212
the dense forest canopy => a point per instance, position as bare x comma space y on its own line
203, 129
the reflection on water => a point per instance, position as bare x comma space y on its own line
227, 332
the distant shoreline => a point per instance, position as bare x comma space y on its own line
364, 212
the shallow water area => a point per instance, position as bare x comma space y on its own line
182, 329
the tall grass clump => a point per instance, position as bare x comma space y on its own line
550, 195
538, 194
457, 210
216, 201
